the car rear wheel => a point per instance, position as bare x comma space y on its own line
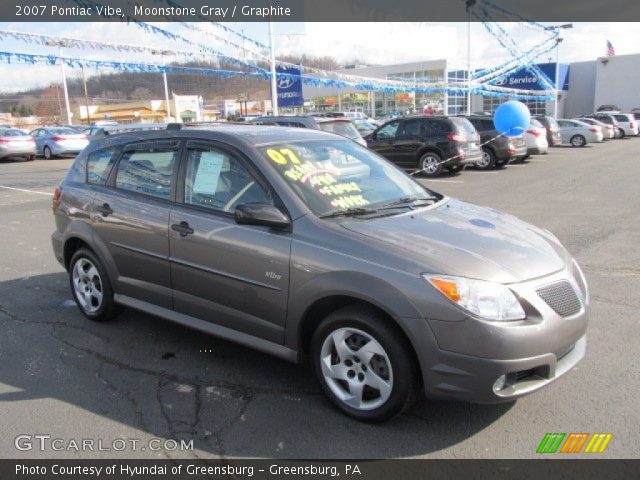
91, 287
578, 141
430, 164
364, 365
487, 161
621, 133
48, 154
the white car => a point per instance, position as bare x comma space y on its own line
607, 130
627, 124
536, 139
361, 116
578, 134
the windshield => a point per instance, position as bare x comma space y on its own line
335, 175
345, 129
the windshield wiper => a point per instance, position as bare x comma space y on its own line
407, 202
347, 212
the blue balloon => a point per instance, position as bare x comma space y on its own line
512, 118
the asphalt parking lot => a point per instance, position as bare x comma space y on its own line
141, 377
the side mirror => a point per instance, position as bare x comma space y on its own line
261, 214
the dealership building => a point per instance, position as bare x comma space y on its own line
584, 87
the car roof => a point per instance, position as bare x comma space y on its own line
235, 134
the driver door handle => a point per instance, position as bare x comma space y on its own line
182, 228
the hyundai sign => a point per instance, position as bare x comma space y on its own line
289, 88
523, 79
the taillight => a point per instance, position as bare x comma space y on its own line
4, 140
57, 194
609, 127
593, 130
454, 137
57, 139
632, 125
511, 150
535, 133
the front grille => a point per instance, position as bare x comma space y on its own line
561, 297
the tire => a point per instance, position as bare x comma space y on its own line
430, 165
391, 364
578, 141
455, 168
488, 159
30, 158
501, 163
86, 274
48, 154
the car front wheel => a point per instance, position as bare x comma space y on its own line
364, 365
47, 153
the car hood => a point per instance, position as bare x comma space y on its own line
461, 239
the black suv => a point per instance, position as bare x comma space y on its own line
430, 144
497, 149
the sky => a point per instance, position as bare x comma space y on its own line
368, 43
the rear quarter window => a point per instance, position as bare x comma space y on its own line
99, 164
621, 118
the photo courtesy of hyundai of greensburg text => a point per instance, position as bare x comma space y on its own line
291, 239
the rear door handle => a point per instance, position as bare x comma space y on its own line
104, 210
182, 228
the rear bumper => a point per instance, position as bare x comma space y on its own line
471, 157
17, 152
537, 150
58, 247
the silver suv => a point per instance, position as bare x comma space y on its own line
303, 244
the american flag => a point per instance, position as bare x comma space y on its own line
610, 50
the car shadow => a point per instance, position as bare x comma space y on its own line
168, 381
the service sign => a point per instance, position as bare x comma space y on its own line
289, 88
525, 80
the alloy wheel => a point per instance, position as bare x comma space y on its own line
87, 285
486, 160
356, 368
430, 164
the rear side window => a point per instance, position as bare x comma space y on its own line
465, 126
412, 128
147, 171
99, 166
438, 127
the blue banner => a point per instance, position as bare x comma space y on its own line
522, 79
289, 85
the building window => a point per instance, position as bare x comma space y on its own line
457, 103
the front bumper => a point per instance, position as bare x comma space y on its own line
537, 150
464, 359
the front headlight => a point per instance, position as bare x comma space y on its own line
492, 301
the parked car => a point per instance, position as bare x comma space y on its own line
578, 134
341, 126
536, 139
608, 108
627, 125
361, 116
430, 144
607, 120
497, 149
553, 133
52, 141
387, 287
14, 143
607, 130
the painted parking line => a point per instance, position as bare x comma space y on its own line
27, 191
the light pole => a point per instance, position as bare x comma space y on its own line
559, 40
64, 79
272, 61
162, 53
469, 4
